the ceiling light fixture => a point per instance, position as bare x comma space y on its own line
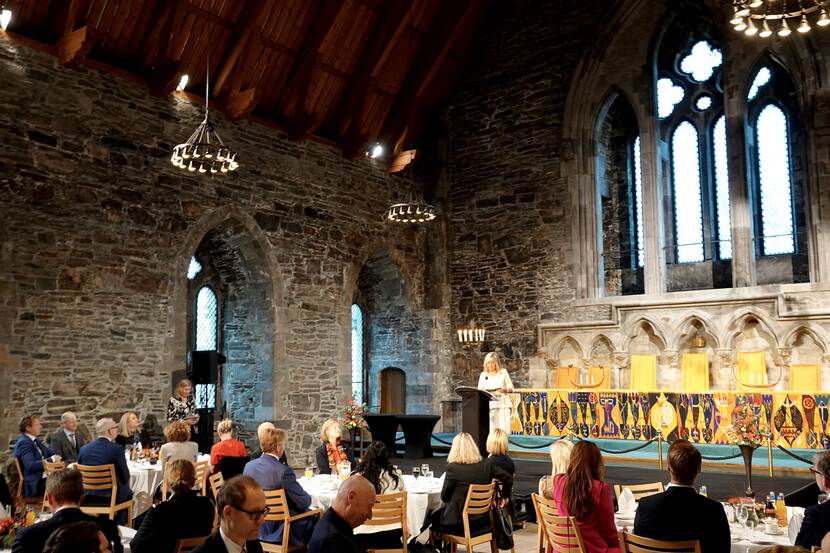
412, 210
204, 151
750, 15
5, 18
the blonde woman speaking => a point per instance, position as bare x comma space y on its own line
495, 380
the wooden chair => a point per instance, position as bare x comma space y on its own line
479, 502
561, 533
629, 543
19, 491
216, 483
202, 468
390, 508
49, 468
278, 512
102, 477
186, 545
541, 538
639, 490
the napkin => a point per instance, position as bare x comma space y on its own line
627, 504
794, 526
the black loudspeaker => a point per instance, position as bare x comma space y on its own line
202, 366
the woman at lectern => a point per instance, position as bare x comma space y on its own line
495, 380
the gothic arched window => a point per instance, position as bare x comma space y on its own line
358, 370
207, 319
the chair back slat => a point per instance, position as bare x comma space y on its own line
216, 483
49, 467
19, 470
639, 490
479, 499
561, 532
389, 508
276, 502
98, 477
631, 543
202, 470
186, 545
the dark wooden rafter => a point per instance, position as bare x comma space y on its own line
246, 30
75, 44
299, 76
437, 46
380, 46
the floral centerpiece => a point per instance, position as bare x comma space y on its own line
747, 431
8, 529
353, 415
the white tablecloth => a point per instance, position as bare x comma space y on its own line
423, 497
144, 481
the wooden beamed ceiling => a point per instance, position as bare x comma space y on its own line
347, 71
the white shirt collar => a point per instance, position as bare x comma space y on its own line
33, 438
67, 432
673, 485
67, 506
230, 545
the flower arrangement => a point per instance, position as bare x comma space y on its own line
8, 529
353, 415
747, 428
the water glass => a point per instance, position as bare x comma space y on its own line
424, 469
416, 471
742, 513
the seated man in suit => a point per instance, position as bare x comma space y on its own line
104, 451
271, 474
241, 508
66, 442
817, 517
351, 508
30, 452
64, 491
259, 433
680, 513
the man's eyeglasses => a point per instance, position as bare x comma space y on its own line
255, 516
814, 471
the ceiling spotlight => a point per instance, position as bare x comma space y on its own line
5, 18
182, 83
375, 151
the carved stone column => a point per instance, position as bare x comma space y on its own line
726, 379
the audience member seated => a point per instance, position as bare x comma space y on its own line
78, 537
560, 456
152, 434
5, 492
680, 513
67, 442
331, 451
270, 474
178, 444
185, 515
103, 451
129, 433
497, 449
64, 491
376, 468
351, 507
241, 507
227, 446
582, 494
30, 452
817, 517
464, 467
259, 430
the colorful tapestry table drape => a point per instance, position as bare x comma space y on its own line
797, 419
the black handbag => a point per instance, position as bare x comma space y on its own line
502, 528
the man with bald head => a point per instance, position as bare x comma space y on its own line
351, 508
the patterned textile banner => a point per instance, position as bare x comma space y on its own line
797, 420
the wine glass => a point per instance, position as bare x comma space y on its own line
425, 469
742, 513
416, 471
309, 472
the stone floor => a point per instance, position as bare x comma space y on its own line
524, 541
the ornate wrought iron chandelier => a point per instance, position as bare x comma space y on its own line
204, 151
765, 17
412, 210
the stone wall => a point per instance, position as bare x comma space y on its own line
97, 230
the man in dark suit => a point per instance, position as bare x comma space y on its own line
66, 442
680, 513
271, 474
30, 452
104, 451
241, 507
817, 517
64, 491
351, 508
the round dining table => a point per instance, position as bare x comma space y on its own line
145, 479
423, 496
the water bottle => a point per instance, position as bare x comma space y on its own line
703, 491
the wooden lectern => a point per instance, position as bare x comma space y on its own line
475, 414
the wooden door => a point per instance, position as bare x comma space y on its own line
392, 391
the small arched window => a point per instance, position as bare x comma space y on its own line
358, 381
688, 209
207, 318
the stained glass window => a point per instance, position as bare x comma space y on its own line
638, 200
688, 211
207, 311
762, 77
357, 353
701, 61
194, 268
772, 135
669, 95
722, 201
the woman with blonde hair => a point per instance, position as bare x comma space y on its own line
129, 433
182, 405
185, 515
464, 467
496, 381
227, 446
560, 457
331, 452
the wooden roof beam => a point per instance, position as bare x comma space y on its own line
73, 47
437, 45
247, 27
240, 105
156, 44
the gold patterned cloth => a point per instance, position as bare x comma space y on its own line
752, 369
643, 372
695, 372
804, 377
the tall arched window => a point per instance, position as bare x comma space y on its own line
688, 207
207, 319
358, 372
